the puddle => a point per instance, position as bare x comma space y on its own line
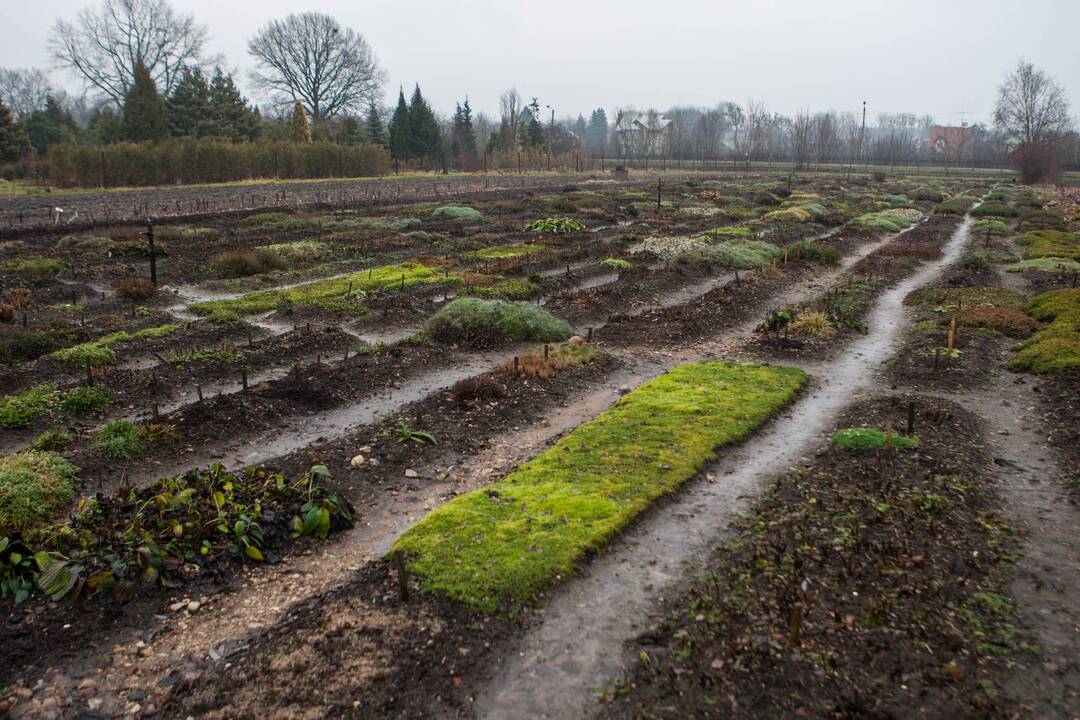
579, 644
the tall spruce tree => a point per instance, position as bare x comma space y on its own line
468, 132
230, 113
54, 124
144, 109
188, 108
400, 130
597, 134
425, 140
299, 129
376, 130
350, 132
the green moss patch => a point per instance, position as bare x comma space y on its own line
508, 541
452, 212
1046, 264
386, 276
1056, 347
503, 252
1049, 244
17, 411
34, 487
870, 439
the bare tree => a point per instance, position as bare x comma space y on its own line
24, 91
510, 107
105, 45
826, 136
802, 138
1031, 107
758, 124
310, 58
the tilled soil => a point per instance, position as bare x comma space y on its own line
867, 584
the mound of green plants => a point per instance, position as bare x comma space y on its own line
120, 440
32, 270
953, 298
18, 411
85, 400
926, 194
870, 439
737, 254
452, 212
35, 486
1056, 347
121, 544
503, 252
788, 216
511, 289
992, 227
387, 276
555, 226
25, 346
1050, 265
731, 231
893, 220
480, 323
508, 541
815, 252
159, 331
301, 252
995, 209
1049, 244
617, 264
243, 263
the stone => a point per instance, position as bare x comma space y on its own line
410, 473
357, 461
193, 606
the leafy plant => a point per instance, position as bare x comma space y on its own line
17, 411
404, 433
34, 487
85, 400
555, 226
120, 440
320, 509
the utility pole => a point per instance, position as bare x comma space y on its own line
551, 135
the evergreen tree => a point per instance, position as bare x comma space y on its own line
188, 108
468, 132
230, 113
425, 140
52, 125
9, 135
350, 132
400, 130
105, 126
299, 129
597, 135
532, 132
376, 131
144, 109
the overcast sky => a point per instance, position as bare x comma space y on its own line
937, 57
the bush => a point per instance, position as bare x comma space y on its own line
975, 261
995, 209
32, 270
87, 355
617, 264
50, 440
25, 346
816, 252
17, 411
120, 440
298, 253
812, 323
34, 487
134, 288
1049, 243
479, 323
737, 254
455, 213
929, 195
84, 400
1037, 162
1007, 321
242, 263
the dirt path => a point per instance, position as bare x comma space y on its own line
568, 653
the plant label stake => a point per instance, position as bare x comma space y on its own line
154, 411
198, 391
516, 364
402, 576
243, 378
545, 351
153, 254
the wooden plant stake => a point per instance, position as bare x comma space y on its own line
244, 378
516, 362
952, 334
589, 339
402, 577
911, 418
154, 411
198, 391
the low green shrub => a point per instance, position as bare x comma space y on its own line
1046, 264
120, 440
86, 400
995, 209
976, 260
478, 323
18, 411
297, 253
815, 252
452, 212
929, 195
243, 263
617, 264
32, 270
25, 346
35, 486
1056, 347
51, 440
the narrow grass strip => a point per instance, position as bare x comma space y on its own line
386, 276
506, 542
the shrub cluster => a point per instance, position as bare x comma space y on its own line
480, 323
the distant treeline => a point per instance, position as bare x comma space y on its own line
191, 160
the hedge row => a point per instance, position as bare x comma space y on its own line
206, 161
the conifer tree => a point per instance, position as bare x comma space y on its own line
376, 130
188, 108
425, 140
144, 109
468, 132
400, 131
299, 129
230, 113
54, 124
350, 132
